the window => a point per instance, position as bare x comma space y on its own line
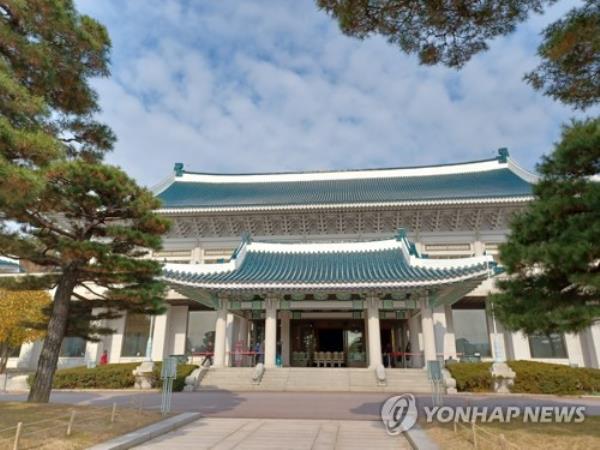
73, 347
201, 331
137, 332
471, 332
552, 346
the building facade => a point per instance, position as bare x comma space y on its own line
357, 268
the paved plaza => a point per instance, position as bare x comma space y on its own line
298, 405
221, 433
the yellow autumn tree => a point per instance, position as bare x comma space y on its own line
21, 320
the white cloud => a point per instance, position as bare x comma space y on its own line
258, 86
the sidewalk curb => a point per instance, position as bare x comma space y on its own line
147, 433
418, 439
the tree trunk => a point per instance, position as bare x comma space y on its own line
3, 356
57, 325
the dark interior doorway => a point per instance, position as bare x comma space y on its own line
331, 340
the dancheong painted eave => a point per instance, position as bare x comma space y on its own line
497, 180
391, 264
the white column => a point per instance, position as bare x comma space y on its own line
243, 333
197, 255
591, 338
271, 305
220, 333
450, 338
428, 333
574, 349
229, 344
479, 248
178, 330
29, 355
520, 346
285, 338
160, 335
116, 342
94, 349
496, 333
374, 335
413, 324
440, 328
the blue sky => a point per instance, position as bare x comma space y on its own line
243, 86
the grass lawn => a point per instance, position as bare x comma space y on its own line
45, 425
548, 436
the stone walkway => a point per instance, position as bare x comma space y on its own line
219, 433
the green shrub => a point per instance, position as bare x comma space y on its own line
112, 376
543, 378
183, 370
472, 377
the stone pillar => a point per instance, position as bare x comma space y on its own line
243, 332
29, 355
178, 330
574, 349
116, 342
285, 338
440, 328
590, 337
450, 338
496, 332
271, 304
374, 336
197, 255
519, 346
159, 336
220, 333
413, 324
229, 337
478, 248
428, 333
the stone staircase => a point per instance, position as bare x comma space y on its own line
407, 380
295, 379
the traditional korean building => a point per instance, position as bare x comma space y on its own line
356, 269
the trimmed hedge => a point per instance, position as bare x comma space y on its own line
472, 377
532, 377
183, 370
544, 378
112, 376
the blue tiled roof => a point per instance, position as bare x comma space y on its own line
501, 182
330, 267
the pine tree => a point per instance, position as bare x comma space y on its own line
552, 255
451, 32
570, 53
84, 223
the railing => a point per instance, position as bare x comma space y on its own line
247, 358
52, 432
406, 359
478, 436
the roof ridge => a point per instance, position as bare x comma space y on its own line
180, 170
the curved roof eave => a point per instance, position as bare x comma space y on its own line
317, 206
190, 192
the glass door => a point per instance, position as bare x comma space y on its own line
355, 347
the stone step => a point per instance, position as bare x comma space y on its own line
316, 379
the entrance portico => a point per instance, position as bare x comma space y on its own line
307, 289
